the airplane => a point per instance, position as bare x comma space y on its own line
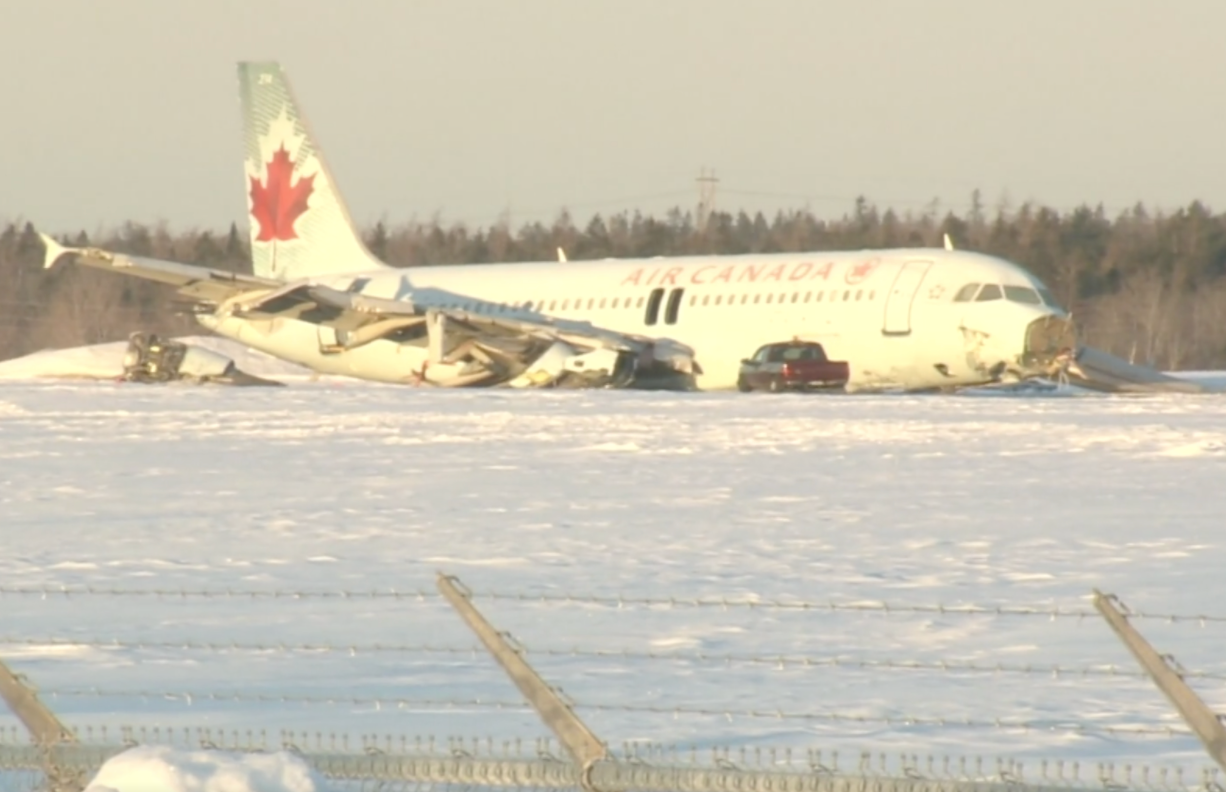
905, 319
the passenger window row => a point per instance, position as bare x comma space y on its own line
671, 310
835, 295
653, 302
546, 307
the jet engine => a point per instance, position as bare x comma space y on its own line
152, 359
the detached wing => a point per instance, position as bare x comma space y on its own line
201, 284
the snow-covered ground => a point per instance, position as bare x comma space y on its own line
1027, 503
105, 361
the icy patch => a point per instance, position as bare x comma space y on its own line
78, 652
10, 409
1214, 381
476, 562
149, 768
1197, 449
74, 565
631, 447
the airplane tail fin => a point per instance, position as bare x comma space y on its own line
300, 226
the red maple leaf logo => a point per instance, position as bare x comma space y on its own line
860, 271
278, 203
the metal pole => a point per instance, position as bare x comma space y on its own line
42, 724
1202, 720
574, 735
45, 729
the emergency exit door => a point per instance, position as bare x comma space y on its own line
898, 302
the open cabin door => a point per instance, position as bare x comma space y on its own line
898, 302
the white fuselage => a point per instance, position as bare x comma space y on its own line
891, 314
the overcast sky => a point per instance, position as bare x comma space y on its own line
127, 109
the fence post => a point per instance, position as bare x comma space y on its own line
1202, 720
45, 729
575, 736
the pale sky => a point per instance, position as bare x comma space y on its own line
127, 109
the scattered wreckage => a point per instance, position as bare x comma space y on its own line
153, 359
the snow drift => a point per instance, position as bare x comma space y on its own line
105, 361
150, 768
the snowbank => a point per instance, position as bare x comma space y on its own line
1212, 380
149, 768
105, 361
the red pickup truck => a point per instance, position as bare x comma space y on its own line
791, 365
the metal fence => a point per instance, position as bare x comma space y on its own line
398, 762
618, 602
46, 754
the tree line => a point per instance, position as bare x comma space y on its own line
1147, 285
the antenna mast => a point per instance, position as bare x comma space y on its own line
706, 196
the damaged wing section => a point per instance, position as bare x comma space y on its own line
445, 346
201, 284
458, 347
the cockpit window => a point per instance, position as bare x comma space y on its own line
990, 291
1049, 299
966, 293
1022, 294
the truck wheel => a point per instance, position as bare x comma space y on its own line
743, 385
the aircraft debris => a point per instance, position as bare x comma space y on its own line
152, 359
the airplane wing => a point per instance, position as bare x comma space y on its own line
463, 346
503, 347
203, 284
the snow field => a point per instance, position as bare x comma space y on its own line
1026, 503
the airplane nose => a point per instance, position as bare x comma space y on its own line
1049, 338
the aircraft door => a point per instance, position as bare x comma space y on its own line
898, 302
673, 306
653, 307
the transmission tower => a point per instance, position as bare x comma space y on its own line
706, 196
